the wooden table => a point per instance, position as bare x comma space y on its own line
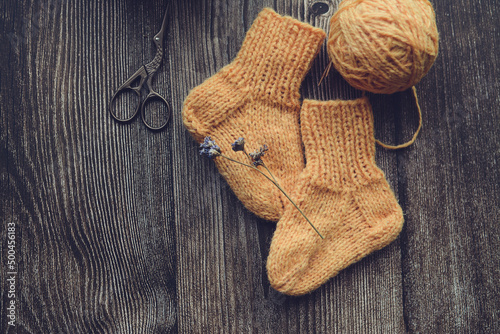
122, 230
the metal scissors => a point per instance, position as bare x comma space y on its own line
145, 75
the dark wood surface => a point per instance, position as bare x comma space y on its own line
122, 230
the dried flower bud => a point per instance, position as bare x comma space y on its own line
257, 155
212, 153
209, 148
239, 144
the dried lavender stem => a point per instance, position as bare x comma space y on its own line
250, 159
264, 165
278, 186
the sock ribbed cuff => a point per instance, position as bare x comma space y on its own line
275, 56
339, 142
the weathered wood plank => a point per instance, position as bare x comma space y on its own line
450, 180
91, 199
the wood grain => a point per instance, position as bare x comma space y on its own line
92, 199
450, 181
123, 230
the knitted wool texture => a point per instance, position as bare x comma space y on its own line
383, 46
343, 193
257, 97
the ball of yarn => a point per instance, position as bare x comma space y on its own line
383, 46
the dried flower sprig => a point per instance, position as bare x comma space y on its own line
211, 150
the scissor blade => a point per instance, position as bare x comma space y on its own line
159, 36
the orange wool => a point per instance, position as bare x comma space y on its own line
342, 192
257, 97
383, 46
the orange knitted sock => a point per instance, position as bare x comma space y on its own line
257, 97
342, 192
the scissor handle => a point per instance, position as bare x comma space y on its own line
127, 87
113, 100
153, 96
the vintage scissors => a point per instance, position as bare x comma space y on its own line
145, 75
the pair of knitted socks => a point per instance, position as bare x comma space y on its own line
340, 188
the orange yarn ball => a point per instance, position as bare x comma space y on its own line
383, 46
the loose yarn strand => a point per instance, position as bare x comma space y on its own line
397, 147
325, 72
